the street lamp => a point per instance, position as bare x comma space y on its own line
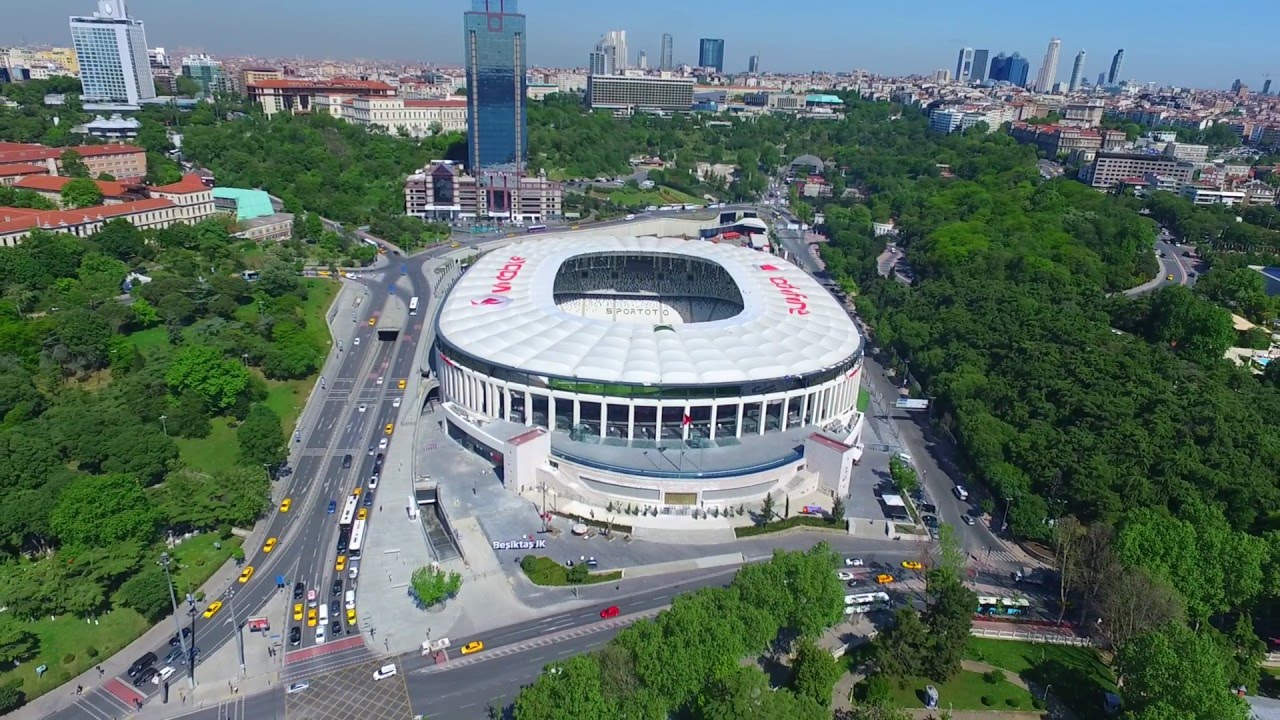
191, 654
173, 599
164, 426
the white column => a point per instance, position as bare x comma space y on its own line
657, 434
742, 406
551, 411
764, 417
684, 428
604, 418
715, 407
631, 419
804, 406
577, 412
786, 406
528, 408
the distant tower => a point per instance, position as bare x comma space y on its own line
1018, 70
1102, 79
665, 59
964, 65
1077, 73
1266, 86
1117, 64
642, 61
1235, 86
753, 64
1049, 70
979, 72
711, 54
111, 48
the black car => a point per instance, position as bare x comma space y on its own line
195, 653
175, 655
336, 589
335, 628
295, 635
335, 608
368, 499
299, 590
175, 642
378, 460
343, 539
142, 663
928, 508
346, 461
145, 676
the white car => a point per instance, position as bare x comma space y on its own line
379, 379
298, 687
356, 342
395, 403
905, 457
384, 672
968, 520
363, 407
373, 481
165, 673
382, 444
354, 572
845, 575
853, 562
320, 634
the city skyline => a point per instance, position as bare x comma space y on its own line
414, 32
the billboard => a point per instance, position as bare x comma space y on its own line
911, 404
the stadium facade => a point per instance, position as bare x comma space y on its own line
666, 373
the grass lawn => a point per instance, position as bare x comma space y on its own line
320, 295
197, 558
964, 692
1077, 674
216, 452
658, 196
545, 571
150, 338
84, 643
864, 401
787, 524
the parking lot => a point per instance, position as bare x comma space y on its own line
350, 693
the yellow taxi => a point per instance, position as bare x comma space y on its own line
474, 646
351, 616
382, 250
387, 430
363, 514
455, 244
373, 320
285, 504
573, 227
213, 609
269, 545
912, 565
297, 611
338, 566
312, 617
884, 578
356, 492
1169, 277
246, 574
401, 384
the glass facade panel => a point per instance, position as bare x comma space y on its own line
495, 56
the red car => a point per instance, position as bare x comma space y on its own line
610, 612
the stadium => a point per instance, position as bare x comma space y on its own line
674, 374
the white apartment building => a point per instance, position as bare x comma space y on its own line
111, 48
1202, 195
1111, 168
959, 118
418, 118
619, 92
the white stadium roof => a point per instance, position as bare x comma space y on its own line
502, 311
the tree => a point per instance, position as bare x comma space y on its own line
261, 437
1178, 668
900, 651
17, 643
187, 86
432, 585
814, 672
837, 509
81, 193
950, 557
744, 692
147, 592
1132, 602
119, 238
569, 689
766, 509
277, 278
949, 618
205, 371
102, 511
904, 476
71, 165
1068, 536
78, 341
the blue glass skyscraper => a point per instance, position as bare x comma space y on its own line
494, 45
1018, 70
711, 53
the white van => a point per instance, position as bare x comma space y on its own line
351, 599
962, 493
324, 614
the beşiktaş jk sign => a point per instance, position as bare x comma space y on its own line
519, 544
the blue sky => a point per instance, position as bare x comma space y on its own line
1204, 46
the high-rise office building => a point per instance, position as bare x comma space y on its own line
1117, 64
1018, 70
494, 48
1077, 73
1266, 86
1235, 86
964, 65
1102, 79
1049, 70
642, 62
599, 63
753, 64
111, 48
614, 46
999, 68
979, 72
665, 60
207, 72
711, 54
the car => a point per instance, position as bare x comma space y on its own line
297, 611
163, 674
295, 636
384, 672
297, 687
368, 499
175, 642
853, 584
610, 612
269, 545
354, 572
912, 565
313, 616
853, 562
378, 460
212, 609
402, 384
351, 616
299, 590
373, 480
356, 492
395, 403
311, 598
341, 564
371, 449
931, 521
382, 444
333, 506
320, 635
145, 676
1169, 277
195, 653
845, 575
335, 627
356, 342
246, 573
968, 519
474, 646
285, 504
379, 379
346, 461
175, 655
904, 457
363, 514
363, 407
372, 321
928, 507
884, 578
142, 663
335, 606
335, 589
388, 429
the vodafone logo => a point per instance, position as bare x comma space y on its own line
770, 268
796, 300
490, 301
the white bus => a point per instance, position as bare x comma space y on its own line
357, 540
413, 305
349, 511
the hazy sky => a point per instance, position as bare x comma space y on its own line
1203, 46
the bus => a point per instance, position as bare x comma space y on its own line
357, 539
413, 305
536, 229
349, 511
1003, 606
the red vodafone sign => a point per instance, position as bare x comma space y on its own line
508, 273
796, 300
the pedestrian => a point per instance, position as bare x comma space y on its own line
379, 508
79, 689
